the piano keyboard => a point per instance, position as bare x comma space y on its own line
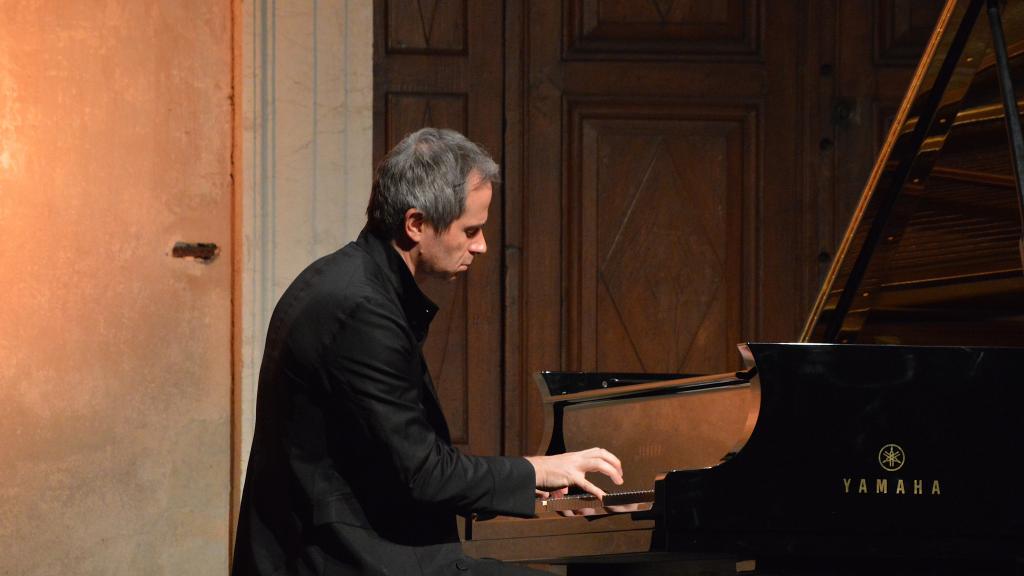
583, 501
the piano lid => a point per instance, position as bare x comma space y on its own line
932, 253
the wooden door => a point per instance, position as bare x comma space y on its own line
439, 63
680, 174
659, 221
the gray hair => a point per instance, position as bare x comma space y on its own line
427, 171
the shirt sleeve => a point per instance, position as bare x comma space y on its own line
373, 365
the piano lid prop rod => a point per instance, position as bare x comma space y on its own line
1011, 112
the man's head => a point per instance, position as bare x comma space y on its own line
430, 197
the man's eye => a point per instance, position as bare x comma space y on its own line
470, 232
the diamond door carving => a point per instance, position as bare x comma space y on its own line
654, 269
662, 271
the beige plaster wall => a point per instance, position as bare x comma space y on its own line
307, 105
115, 359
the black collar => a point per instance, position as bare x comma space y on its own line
419, 310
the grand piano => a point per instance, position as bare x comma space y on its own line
885, 441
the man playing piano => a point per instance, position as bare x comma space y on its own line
352, 470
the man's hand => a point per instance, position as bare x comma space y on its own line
563, 470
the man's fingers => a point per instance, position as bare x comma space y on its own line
554, 472
611, 458
614, 460
589, 488
608, 457
604, 462
602, 466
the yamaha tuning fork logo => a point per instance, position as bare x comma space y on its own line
892, 458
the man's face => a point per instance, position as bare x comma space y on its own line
452, 251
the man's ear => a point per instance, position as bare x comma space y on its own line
415, 225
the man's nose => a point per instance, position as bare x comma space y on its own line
479, 244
